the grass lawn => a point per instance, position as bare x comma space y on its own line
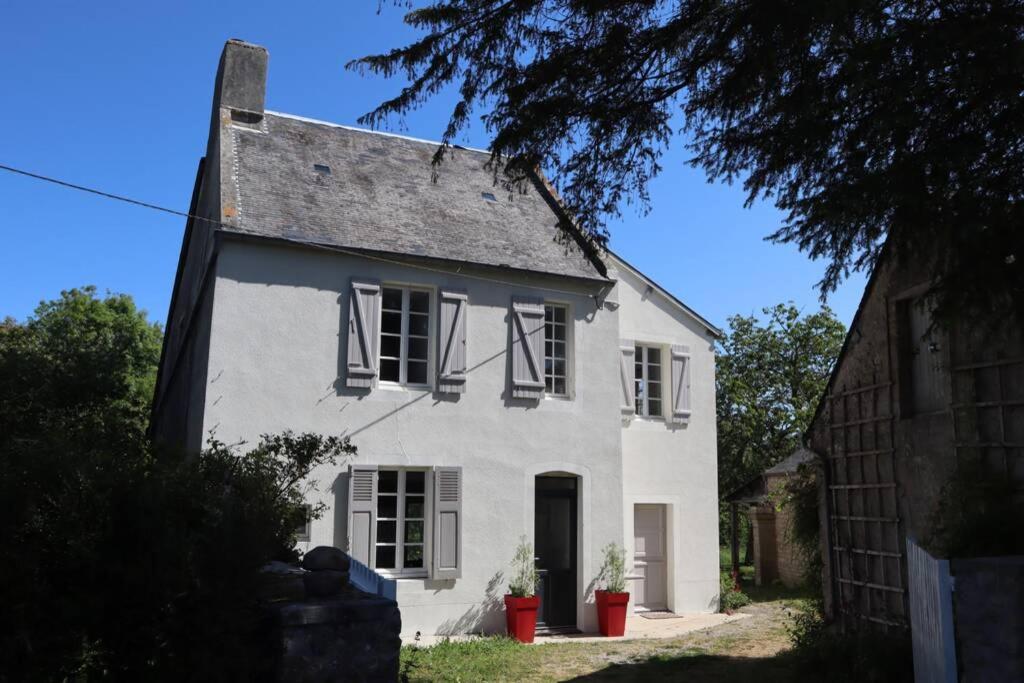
753, 649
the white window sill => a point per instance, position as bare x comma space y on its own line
404, 388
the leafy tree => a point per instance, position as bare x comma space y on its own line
770, 375
864, 121
122, 561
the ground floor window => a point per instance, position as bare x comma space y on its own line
401, 521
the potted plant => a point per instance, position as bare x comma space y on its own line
521, 602
613, 599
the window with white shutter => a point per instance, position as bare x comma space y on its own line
527, 338
451, 352
627, 352
680, 385
556, 350
447, 523
648, 380
400, 546
362, 507
363, 307
405, 335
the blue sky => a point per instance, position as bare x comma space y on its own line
116, 95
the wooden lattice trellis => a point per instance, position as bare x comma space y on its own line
867, 539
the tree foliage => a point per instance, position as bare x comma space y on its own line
121, 561
863, 121
769, 378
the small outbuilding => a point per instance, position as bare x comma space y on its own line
776, 554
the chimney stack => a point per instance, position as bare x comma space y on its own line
241, 83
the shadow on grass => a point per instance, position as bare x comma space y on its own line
697, 667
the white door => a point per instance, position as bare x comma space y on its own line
649, 557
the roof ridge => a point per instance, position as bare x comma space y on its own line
370, 131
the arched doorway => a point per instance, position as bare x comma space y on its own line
555, 544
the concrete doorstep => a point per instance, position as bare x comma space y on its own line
637, 628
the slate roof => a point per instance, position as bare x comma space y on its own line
379, 196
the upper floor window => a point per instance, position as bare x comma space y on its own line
555, 350
647, 361
401, 520
404, 335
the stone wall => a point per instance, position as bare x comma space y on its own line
350, 637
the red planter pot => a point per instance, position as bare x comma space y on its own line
611, 612
521, 617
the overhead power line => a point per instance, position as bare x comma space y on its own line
101, 193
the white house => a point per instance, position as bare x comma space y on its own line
498, 382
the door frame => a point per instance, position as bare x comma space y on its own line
586, 621
672, 506
662, 511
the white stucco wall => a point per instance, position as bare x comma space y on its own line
674, 466
276, 361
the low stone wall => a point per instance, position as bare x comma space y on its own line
350, 637
323, 629
988, 607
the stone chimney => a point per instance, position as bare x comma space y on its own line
241, 85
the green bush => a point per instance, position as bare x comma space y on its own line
122, 561
730, 597
823, 652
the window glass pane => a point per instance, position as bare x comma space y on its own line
389, 370
548, 384
413, 556
560, 332
639, 374
415, 482
416, 373
559, 385
654, 407
391, 298
654, 373
418, 324
391, 322
390, 346
654, 389
549, 314
386, 531
639, 406
559, 368
549, 331
414, 532
414, 507
548, 365
559, 315
417, 348
547, 348
653, 355
385, 557
419, 302
387, 506
558, 349
639, 388
387, 481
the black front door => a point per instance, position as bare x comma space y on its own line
555, 541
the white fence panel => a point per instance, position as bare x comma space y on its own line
931, 616
365, 579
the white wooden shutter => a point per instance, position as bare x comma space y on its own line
362, 513
627, 353
451, 352
447, 548
527, 322
363, 333
680, 385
